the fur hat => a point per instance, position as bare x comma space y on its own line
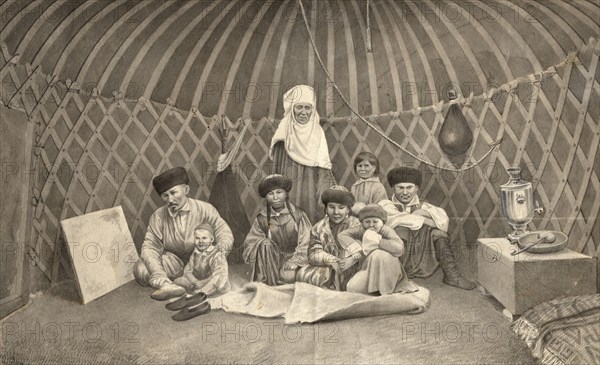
372, 211
170, 178
338, 194
404, 175
272, 182
206, 227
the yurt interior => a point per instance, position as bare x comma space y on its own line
495, 103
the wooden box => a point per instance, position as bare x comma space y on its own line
525, 280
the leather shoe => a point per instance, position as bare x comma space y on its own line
168, 291
460, 282
186, 300
191, 312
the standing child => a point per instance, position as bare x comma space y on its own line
277, 243
367, 189
207, 270
376, 248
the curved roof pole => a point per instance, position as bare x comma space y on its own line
125, 45
149, 43
389, 52
170, 52
67, 51
183, 75
33, 29
441, 50
243, 46
352, 70
279, 65
212, 59
64, 26
387, 138
374, 90
424, 62
258, 65
82, 73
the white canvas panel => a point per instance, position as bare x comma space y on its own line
102, 251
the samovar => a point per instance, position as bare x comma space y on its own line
518, 208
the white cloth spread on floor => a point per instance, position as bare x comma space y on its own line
305, 303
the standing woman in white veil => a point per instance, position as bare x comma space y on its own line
299, 151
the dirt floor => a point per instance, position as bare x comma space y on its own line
126, 326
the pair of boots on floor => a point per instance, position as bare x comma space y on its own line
188, 305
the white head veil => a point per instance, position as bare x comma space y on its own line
304, 143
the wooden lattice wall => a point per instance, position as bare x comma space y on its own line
92, 153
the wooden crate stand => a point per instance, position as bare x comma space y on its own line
525, 280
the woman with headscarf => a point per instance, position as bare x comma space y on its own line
299, 151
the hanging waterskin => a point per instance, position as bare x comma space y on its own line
455, 136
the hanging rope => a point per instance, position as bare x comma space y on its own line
463, 168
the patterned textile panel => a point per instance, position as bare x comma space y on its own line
579, 345
562, 331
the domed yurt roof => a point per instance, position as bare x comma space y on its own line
238, 57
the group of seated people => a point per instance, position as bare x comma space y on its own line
366, 243
309, 229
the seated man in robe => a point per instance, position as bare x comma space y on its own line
423, 227
170, 240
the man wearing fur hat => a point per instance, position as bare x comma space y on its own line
170, 240
423, 227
